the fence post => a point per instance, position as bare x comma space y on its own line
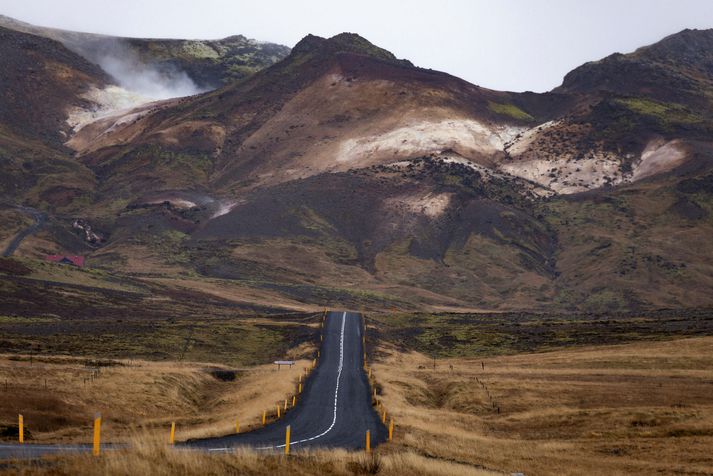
21, 428
287, 440
237, 425
300, 389
391, 429
294, 400
96, 447
278, 411
173, 432
368, 442
264, 415
285, 405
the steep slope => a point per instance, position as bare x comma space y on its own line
332, 105
343, 174
633, 118
41, 82
182, 66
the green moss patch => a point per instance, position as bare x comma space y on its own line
510, 110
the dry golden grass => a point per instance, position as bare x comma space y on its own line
149, 455
640, 408
135, 394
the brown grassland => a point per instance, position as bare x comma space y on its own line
633, 408
641, 408
136, 397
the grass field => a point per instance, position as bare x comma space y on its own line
150, 456
641, 408
537, 393
637, 408
59, 396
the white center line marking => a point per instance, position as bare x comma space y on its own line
336, 389
336, 398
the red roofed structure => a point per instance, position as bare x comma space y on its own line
67, 259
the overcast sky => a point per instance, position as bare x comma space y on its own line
512, 45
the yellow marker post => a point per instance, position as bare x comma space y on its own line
285, 405
264, 417
368, 442
299, 378
369, 372
287, 440
300, 389
96, 447
391, 429
294, 400
21, 428
237, 425
321, 337
172, 438
383, 418
278, 411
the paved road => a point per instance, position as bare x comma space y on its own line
40, 219
334, 409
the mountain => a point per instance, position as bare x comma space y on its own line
342, 174
200, 64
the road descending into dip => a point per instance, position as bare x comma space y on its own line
335, 406
333, 411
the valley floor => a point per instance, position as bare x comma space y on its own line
641, 408
636, 408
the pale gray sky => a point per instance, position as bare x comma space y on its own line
501, 44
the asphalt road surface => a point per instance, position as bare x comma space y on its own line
40, 219
334, 409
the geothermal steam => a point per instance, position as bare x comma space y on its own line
154, 81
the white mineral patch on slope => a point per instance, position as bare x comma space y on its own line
431, 205
426, 137
522, 141
566, 175
175, 202
658, 157
224, 207
108, 101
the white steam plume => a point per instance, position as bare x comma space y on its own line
154, 81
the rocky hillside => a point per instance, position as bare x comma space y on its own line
342, 174
199, 64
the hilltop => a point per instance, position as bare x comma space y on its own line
344, 174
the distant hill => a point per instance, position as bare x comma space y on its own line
344, 173
209, 64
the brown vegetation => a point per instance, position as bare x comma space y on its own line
151, 456
639, 408
59, 396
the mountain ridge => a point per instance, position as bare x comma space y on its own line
426, 190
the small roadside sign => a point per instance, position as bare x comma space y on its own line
280, 363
